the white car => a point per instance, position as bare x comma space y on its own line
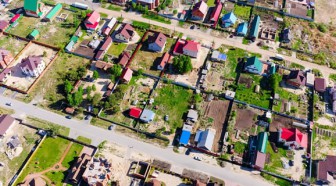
197, 158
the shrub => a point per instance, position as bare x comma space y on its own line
322, 28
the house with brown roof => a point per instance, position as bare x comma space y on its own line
125, 33
3, 25
296, 78
199, 11
32, 66
5, 74
104, 66
157, 42
36, 181
5, 58
126, 75
102, 50
79, 167
6, 121
123, 58
320, 85
164, 61
326, 170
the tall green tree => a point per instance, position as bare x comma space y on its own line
67, 86
182, 64
274, 81
95, 75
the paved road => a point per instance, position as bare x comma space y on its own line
98, 135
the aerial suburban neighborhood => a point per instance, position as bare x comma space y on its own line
171, 92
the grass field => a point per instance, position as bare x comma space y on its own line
285, 95
173, 101
12, 44
211, 3
48, 154
57, 177
74, 152
84, 139
100, 123
47, 125
242, 12
55, 33
6, 110
116, 49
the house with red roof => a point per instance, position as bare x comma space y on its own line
92, 21
126, 75
32, 66
216, 12
15, 18
125, 33
189, 48
293, 138
320, 85
157, 42
326, 170
5, 58
135, 112
123, 59
164, 61
199, 11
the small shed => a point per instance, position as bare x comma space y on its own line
147, 116
34, 34
217, 56
229, 94
257, 89
192, 115
135, 112
310, 79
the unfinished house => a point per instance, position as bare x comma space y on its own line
268, 34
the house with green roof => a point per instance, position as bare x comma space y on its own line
254, 65
34, 34
33, 8
262, 142
254, 29
53, 12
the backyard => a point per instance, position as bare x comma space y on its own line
116, 49
246, 90
12, 44
242, 12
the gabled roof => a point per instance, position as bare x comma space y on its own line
242, 28
103, 65
135, 112
201, 6
3, 24
320, 84
325, 167
127, 31
229, 17
262, 142
93, 17
106, 44
294, 134
5, 122
254, 61
31, 62
260, 160
125, 56
54, 11
185, 136
206, 139
37, 181
127, 74
158, 38
254, 30
191, 46
147, 115
34, 33
216, 13
192, 114
164, 59
31, 5
297, 76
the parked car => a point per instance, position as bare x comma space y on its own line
9, 104
187, 152
68, 117
291, 163
111, 127
87, 117
192, 27
197, 158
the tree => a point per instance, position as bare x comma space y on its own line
116, 70
96, 98
88, 90
175, 12
146, 10
105, 58
94, 87
159, 9
182, 64
134, 5
67, 86
95, 75
274, 81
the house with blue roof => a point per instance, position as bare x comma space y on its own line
254, 65
228, 20
185, 135
254, 29
217, 56
242, 29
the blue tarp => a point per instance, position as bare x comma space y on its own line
222, 57
185, 137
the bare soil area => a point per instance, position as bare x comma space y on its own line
216, 110
325, 11
279, 122
246, 118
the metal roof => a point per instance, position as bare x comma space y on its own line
206, 139
185, 136
54, 11
147, 116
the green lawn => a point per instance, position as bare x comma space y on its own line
155, 17
57, 177
173, 101
100, 123
84, 139
54, 33
249, 96
6, 111
284, 95
275, 162
295, 65
332, 77
114, 7
73, 153
211, 3
48, 125
239, 147
12, 44
242, 12
116, 49
47, 155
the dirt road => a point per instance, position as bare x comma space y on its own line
207, 38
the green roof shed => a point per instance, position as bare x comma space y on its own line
34, 34
53, 12
262, 142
